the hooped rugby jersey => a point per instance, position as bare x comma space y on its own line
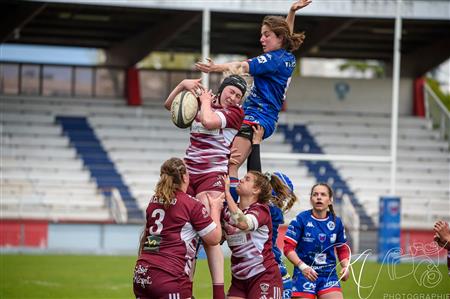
251, 251
209, 150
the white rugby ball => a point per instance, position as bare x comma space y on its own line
184, 109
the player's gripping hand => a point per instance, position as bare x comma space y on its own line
308, 272
345, 273
193, 85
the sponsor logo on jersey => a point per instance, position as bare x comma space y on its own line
289, 64
139, 276
331, 283
217, 184
308, 238
331, 225
309, 286
197, 127
322, 237
333, 238
152, 243
320, 259
262, 59
309, 224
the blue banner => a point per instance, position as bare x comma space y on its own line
389, 230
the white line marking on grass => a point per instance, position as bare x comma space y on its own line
43, 283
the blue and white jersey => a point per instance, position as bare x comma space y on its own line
271, 73
315, 240
277, 218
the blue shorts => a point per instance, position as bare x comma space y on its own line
268, 124
323, 285
287, 281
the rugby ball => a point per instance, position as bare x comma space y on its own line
184, 109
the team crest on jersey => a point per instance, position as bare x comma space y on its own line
264, 288
331, 225
322, 237
309, 224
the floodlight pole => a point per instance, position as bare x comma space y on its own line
395, 96
206, 26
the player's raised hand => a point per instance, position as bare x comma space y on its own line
206, 96
193, 85
226, 182
300, 4
205, 67
258, 133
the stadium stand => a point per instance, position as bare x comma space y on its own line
138, 139
42, 178
96, 159
423, 161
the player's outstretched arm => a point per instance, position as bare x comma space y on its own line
290, 19
235, 67
193, 85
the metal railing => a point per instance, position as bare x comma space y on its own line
351, 219
117, 208
437, 113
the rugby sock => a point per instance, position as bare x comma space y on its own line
218, 291
233, 184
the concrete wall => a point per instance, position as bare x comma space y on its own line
348, 95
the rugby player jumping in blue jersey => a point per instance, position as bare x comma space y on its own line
271, 73
309, 244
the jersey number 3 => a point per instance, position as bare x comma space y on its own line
156, 228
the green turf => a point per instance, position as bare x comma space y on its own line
70, 276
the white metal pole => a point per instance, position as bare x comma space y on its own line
395, 96
206, 25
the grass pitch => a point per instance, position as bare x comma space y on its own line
71, 276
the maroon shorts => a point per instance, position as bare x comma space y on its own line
267, 284
210, 181
154, 283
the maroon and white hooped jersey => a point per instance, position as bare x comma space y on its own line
172, 234
209, 150
251, 251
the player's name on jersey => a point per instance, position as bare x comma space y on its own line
155, 199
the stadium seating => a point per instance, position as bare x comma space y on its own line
423, 166
42, 178
138, 139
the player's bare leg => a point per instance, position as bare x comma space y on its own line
331, 295
242, 146
214, 254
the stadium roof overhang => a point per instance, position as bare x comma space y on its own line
129, 33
